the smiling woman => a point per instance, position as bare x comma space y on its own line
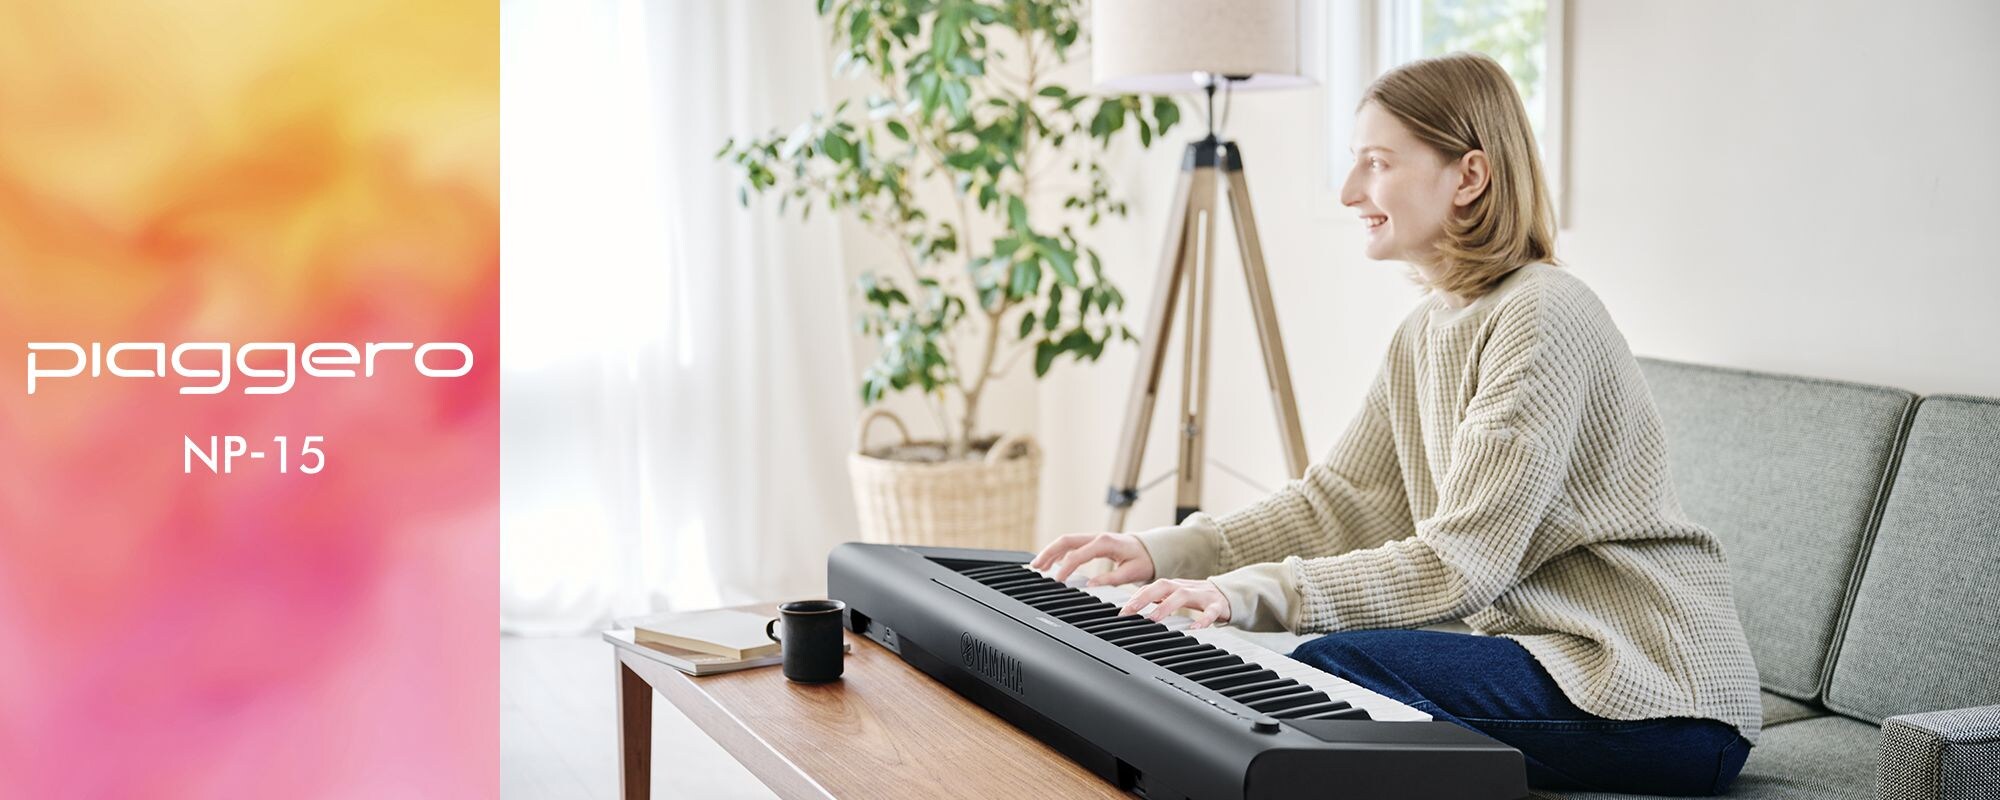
1447, 177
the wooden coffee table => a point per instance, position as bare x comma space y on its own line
885, 730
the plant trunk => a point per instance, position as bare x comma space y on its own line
969, 424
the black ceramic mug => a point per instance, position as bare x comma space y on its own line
811, 638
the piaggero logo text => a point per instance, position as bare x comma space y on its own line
209, 368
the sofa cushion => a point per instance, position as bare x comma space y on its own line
1924, 631
1779, 709
1817, 759
1787, 472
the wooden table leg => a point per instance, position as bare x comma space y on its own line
635, 732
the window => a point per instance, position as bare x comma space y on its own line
1364, 38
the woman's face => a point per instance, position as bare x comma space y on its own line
1404, 189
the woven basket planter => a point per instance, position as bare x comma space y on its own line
987, 503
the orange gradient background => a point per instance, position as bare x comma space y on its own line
201, 171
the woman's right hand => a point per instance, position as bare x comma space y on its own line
1130, 563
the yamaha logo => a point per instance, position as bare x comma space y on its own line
982, 658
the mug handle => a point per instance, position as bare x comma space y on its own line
768, 625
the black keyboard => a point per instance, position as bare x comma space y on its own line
1150, 709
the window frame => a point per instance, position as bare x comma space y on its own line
1349, 42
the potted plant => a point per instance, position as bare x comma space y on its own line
980, 167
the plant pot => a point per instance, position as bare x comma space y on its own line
988, 503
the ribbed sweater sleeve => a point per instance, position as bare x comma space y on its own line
1353, 498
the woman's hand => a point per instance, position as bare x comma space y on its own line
1129, 560
1173, 594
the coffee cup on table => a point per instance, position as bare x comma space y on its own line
810, 632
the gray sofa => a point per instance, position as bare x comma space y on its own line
1862, 525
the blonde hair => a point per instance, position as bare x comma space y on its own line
1456, 104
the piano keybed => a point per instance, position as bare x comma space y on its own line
1254, 676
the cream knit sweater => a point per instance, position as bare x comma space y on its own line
1508, 469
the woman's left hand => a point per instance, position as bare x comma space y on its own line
1173, 594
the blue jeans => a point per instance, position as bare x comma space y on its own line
1494, 686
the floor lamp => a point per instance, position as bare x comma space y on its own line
1206, 46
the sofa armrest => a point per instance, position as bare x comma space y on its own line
1940, 755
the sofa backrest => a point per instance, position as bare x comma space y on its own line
1923, 633
1789, 473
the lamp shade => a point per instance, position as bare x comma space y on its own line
1163, 46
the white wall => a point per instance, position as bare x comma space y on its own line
1792, 187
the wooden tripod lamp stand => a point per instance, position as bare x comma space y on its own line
1164, 46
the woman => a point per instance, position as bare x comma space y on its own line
1507, 469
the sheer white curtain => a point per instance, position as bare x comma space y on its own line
676, 386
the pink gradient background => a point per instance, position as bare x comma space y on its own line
231, 171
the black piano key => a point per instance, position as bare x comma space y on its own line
1018, 588
1031, 593
1105, 626
991, 570
1048, 601
1344, 713
1171, 641
1157, 639
1303, 712
1219, 660
1204, 653
1023, 579
1018, 571
1176, 651
1276, 704
1204, 676
1127, 628
1086, 613
1224, 682
1107, 611
1067, 603
1241, 691
1295, 691
1135, 635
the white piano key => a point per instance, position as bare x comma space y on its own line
1238, 644
1378, 706
1241, 644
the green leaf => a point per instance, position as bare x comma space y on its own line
1045, 354
956, 95
837, 147
969, 160
1064, 263
1166, 112
1077, 340
1109, 118
1026, 279
897, 130
1017, 212
1027, 324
